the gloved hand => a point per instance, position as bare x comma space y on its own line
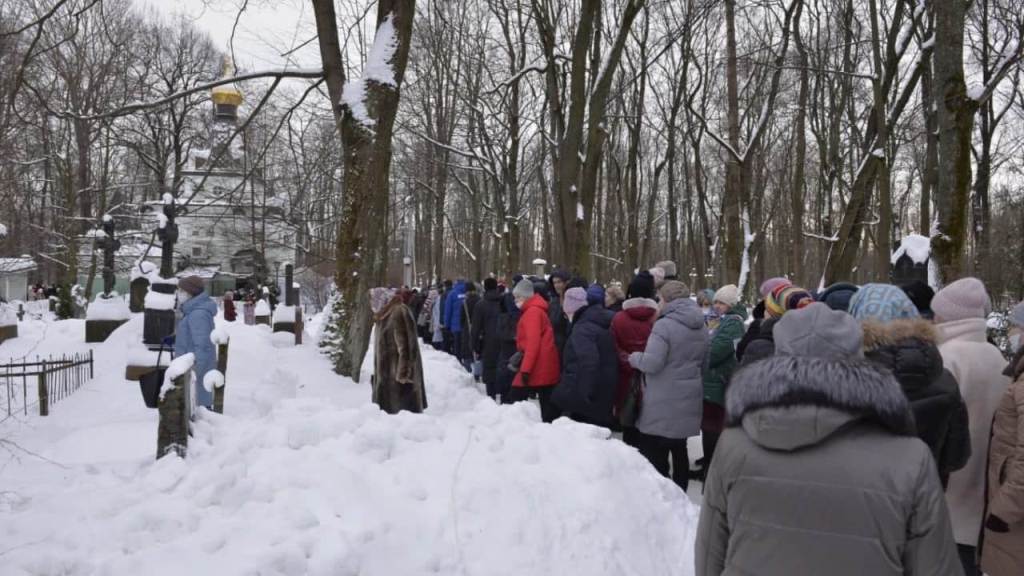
168, 341
997, 524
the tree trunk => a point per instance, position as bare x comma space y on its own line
797, 187
361, 249
955, 118
732, 243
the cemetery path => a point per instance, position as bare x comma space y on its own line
303, 475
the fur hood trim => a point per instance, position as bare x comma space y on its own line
857, 387
640, 303
878, 334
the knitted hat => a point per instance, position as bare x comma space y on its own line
561, 274
674, 290
792, 298
595, 294
769, 285
1017, 315
490, 285
838, 295
772, 304
576, 282
642, 286
820, 332
191, 284
523, 289
963, 299
669, 267
921, 294
575, 298
882, 303
659, 276
470, 287
728, 294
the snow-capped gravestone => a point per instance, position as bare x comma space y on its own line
139, 286
286, 317
910, 260
263, 313
108, 311
104, 315
539, 266
8, 322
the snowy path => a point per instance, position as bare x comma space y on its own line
302, 475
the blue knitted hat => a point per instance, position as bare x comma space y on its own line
882, 303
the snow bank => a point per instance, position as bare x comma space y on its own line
917, 247
113, 308
158, 301
305, 476
139, 356
283, 314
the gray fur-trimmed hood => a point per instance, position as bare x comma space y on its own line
818, 397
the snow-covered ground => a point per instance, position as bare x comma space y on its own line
303, 475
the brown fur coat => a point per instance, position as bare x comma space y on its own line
398, 368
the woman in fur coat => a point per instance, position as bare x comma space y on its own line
1003, 546
398, 369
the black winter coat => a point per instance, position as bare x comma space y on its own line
468, 306
909, 349
590, 368
559, 323
761, 344
508, 322
486, 341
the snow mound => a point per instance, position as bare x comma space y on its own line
158, 301
303, 475
8, 315
113, 308
144, 269
213, 379
262, 308
179, 367
283, 314
220, 336
917, 247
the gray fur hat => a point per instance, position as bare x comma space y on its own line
818, 331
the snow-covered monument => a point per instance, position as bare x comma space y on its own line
232, 225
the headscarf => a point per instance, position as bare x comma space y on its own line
381, 297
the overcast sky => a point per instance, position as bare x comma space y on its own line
266, 29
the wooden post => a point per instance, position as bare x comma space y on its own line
91, 373
299, 326
44, 397
222, 367
172, 433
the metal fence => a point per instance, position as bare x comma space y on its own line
43, 382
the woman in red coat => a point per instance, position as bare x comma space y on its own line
631, 328
229, 306
539, 369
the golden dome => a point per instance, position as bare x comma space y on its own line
227, 93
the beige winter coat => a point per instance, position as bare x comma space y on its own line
1003, 553
977, 367
819, 473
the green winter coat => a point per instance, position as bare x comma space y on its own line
722, 354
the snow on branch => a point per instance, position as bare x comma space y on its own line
278, 74
378, 69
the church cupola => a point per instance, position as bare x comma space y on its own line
226, 98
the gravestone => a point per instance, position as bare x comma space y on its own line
285, 316
108, 312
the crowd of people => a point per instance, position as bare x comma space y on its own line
857, 429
